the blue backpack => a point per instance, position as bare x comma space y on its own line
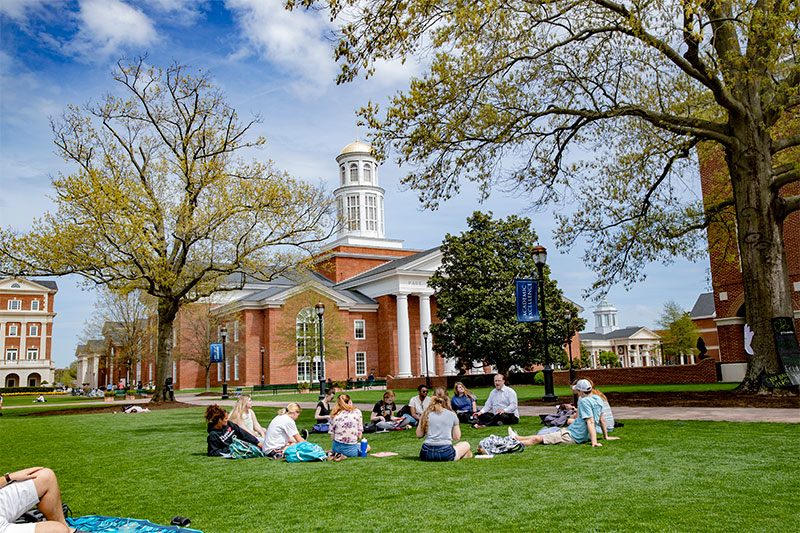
305, 451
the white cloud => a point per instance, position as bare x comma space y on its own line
19, 9
294, 41
181, 12
107, 26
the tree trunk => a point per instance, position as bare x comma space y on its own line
208, 378
167, 311
761, 248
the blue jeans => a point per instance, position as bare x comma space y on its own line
437, 453
348, 450
412, 421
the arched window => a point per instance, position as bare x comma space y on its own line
342, 173
308, 361
367, 173
353, 173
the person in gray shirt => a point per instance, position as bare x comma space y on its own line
439, 426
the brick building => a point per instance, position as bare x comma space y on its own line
703, 315
26, 323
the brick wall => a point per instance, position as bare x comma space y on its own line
704, 371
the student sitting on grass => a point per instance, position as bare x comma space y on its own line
583, 429
416, 406
322, 415
382, 412
244, 417
21, 490
608, 415
221, 432
464, 403
282, 431
439, 425
347, 426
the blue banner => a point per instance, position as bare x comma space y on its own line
527, 308
216, 352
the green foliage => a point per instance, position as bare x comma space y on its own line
681, 337
538, 378
608, 358
475, 296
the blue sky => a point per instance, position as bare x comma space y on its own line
268, 62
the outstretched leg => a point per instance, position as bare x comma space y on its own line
462, 450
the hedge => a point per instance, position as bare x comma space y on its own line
25, 390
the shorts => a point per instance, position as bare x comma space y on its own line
437, 453
15, 499
348, 450
561, 436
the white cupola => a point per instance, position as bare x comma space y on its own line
359, 198
605, 318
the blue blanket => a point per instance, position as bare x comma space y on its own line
107, 524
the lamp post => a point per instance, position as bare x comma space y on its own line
320, 309
427, 370
540, 259
568, 319
223, 332
262, 366
347, 348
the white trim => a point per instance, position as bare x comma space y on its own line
707, 330
363, 329
364, 354
730, 321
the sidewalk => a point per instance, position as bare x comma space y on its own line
716, 414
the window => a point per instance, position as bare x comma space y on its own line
15, 305
353, 173
371, 212
33, 330
219, 371
353, 213
150, 372
13, 330
11, 354
33, 354
306, 327
340, 210
303, 370
359, 329
367, 173
15, 285
342, 173
35, 305
236, 331
174, 373
227, 369
236, 368
361, 363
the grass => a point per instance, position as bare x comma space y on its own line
661, 475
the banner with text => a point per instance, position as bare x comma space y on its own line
527, 310
216, 352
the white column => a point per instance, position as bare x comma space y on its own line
95, 371
425, 325
403, 339
3, 326
23, 341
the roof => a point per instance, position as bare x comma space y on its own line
622, 333
391, 265
282, 284
356, 147
704, 306
46, 283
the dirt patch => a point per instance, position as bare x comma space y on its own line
216, 394
93, 409
691, 399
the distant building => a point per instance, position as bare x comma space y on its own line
26, 323
703, 315
636, 346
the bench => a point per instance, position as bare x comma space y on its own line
363, 383
275, 387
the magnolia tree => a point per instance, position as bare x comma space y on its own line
158, 199
602, 104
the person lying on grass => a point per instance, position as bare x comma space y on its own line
21, 490
583, 429
439, 426
221, 432
282, 431
347, 426
244, 417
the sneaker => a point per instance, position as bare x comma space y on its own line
511, 433
478, 426
304, 434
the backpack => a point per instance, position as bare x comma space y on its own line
320, 428
496, 445
305, 451
240, 449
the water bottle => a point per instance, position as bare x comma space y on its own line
362, 452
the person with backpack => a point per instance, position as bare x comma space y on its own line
346, 427
222, 431
282, 430
23, 489
440, 428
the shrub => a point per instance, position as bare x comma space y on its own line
538, 378
24, 390
303, 386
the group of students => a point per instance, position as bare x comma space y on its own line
437, 419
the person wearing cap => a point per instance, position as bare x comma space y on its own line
583, 429
501, 406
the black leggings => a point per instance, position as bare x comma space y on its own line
491, 419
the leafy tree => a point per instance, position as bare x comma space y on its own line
67, 375
159, 200
518, 92
609, 358
475, 298
681, 336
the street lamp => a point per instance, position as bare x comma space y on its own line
262, 367
223, 332
427, 370
320, 309
540, 259
347, 348
568, 319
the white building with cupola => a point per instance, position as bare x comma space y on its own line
635, 346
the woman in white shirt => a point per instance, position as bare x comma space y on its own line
244, 417
282, 431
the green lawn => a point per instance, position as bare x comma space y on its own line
27, 399
663, 476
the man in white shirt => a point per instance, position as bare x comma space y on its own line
501, 407
416, 406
